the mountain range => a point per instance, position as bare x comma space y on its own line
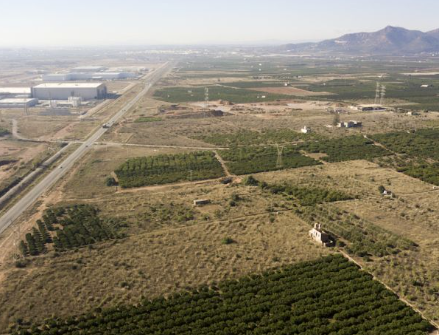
387, 41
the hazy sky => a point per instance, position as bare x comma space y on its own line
127, 22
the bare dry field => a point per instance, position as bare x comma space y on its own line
169, 245
413, 214
98, 164
256, 117
161, 255
22, 153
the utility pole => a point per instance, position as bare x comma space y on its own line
206, 99
383, 94
377, 93
279, 162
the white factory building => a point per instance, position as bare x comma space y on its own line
15, 92
89, 68
72, 76
18, 102
64, 91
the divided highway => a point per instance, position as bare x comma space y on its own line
27, 200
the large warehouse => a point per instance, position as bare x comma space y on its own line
71, 76
15, 92
63, 91
18, 102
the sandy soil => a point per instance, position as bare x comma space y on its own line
19, 151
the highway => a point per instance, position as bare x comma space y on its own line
27, 200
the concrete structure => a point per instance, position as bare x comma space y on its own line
75, 101
89, 69
305, 130
18, 102
320, 236
63, 91
71, 76
350, 124
370, 108
112, 75
15, 92
56, 77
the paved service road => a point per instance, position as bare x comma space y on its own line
27, 200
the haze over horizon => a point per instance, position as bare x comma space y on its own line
50, 23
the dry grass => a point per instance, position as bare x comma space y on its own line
164, 254
157, 261
413, 214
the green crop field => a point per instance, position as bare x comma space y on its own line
346, 148
248, 137
328, 296
397, 87
428, 172
163, 169
235, 95
246, 160
255, 84
422, 143
308, 196
67, 228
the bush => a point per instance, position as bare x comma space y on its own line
22, 263
110, 181
227, 240
250, 181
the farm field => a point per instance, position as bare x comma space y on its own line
163, 169
123, 222
164, 251
246, 160
346, 148
81, 226
329, 295
235, 95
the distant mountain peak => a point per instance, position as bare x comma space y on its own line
389, 40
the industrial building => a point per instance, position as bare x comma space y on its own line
64, 91
57, 77
72, 76
89, 69
18, 102
15, 92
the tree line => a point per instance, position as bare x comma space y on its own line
67, 228
327, 296
163, 169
